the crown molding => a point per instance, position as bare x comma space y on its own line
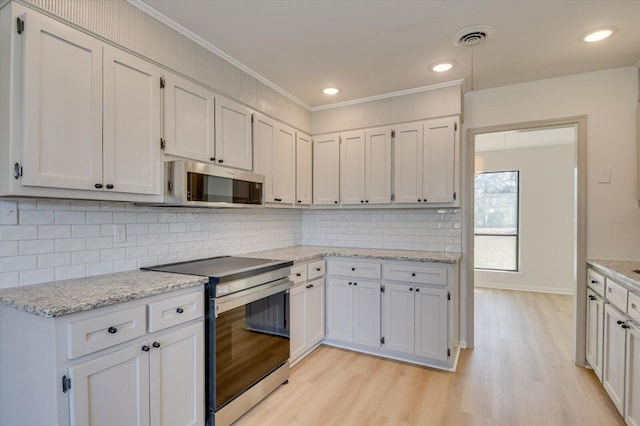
388, 95
213, 49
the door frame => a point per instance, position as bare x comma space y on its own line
579, 316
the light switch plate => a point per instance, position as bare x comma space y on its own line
603, 174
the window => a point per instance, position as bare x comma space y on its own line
496, 220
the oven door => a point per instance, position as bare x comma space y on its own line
250, 339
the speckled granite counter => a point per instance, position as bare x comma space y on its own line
304, 253
82, 294
619, 269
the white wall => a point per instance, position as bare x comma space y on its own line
608, 99
546, 219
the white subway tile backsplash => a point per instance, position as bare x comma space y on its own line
36, 246
35, 217
76, 239
54, 259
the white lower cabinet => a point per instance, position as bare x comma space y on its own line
113, 389
105, 366
408, 314
632, 388
307, 308
613, 368
595, 330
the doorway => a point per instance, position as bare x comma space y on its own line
520, 213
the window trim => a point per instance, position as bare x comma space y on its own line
516, 235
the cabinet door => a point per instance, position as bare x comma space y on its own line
189, 115
233, 134
326, 169
366, 313
352, 165
431, 313
111, 390
131, 131
62, 89
378, 166
595, 329
340, 309
264, 136
614, 356
284, 158
399, 317
407, 175
304, 166
177, 377
438, 161
297, 319
632, 393
315, 312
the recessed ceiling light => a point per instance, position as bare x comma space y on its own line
442, 66
598, 35
330, 91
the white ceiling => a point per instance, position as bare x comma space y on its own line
373, 47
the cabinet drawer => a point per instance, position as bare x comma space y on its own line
349, 268
419, 274
617, 295
298, 273
100, 332
316, 269
595, 281
177, 310
633, 307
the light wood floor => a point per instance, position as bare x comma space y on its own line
519, 373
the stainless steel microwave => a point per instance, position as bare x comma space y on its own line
190, 183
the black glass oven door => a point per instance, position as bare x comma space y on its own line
251, 341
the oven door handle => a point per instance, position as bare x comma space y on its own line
232, 301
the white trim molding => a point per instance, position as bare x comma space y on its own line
534, 289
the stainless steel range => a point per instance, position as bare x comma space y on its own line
247, 330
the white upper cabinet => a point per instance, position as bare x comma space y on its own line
439, 161
408, 163
233, 134
132, 161
425, 161
378, 166
62, 89
189, 114
304, 158
326, 169
91, 113
274, 157
352, 168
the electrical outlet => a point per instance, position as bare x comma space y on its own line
119, 233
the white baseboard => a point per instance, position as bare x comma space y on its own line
517, 287
463, 344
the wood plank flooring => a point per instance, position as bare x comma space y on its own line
519, 373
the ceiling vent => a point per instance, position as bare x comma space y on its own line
471, 37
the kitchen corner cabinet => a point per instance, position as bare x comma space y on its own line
326, 169
365, 167
90, 117
275, 156
307, 314
135, 363
426, 156
395, 309
304, 165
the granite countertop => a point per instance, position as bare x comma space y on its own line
82, 294
305, 253
619, 269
